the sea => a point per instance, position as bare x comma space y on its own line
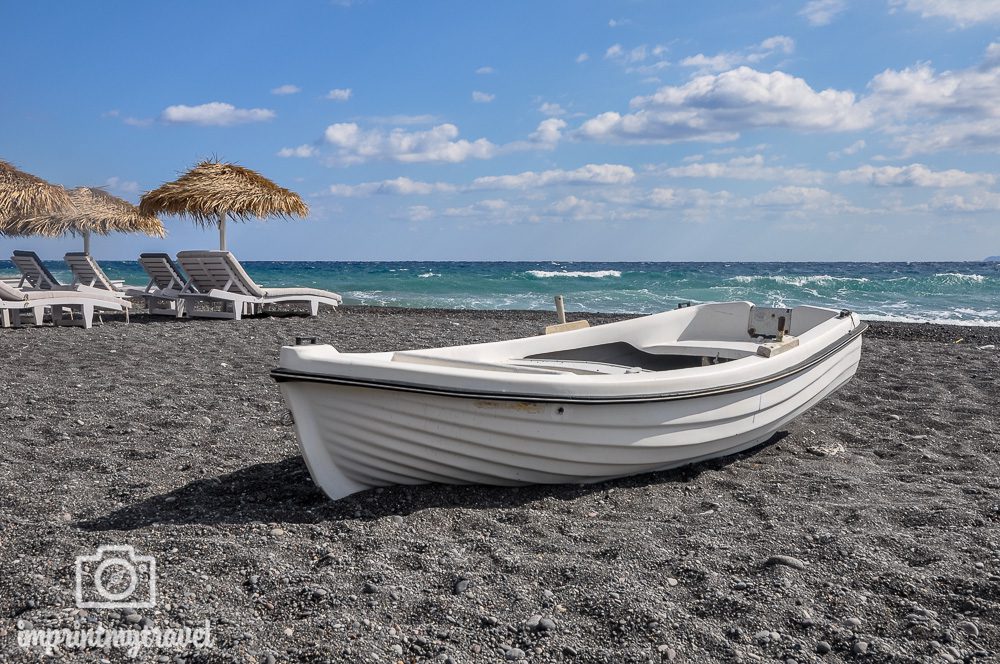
966, 293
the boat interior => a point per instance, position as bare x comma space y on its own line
690, 337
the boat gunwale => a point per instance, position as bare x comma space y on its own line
281, 375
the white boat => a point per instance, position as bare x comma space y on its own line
583, 406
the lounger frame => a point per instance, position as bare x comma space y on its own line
34, 274
165, 285
64, 305
216, 276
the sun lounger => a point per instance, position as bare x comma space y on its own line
165, 284
88, 272
218, 276
34, 274
14, 303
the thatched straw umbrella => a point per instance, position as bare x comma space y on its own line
24, 196
91, 210
212, 191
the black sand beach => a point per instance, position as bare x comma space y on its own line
869, 531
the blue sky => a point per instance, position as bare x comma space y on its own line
571, 130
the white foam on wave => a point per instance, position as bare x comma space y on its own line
958, 276
818, 279
427, 275
975, 312
367, 297
597, 274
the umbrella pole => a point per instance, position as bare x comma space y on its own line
86, 242
222, 231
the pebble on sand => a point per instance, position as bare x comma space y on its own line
787, 561
968, 627
666, 652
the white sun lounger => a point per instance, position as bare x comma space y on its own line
34, 274
14, 303
218, 276
165, 284
88, 272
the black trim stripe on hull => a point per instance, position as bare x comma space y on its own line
288, 375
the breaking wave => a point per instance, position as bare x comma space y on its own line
958, 277
596, 274
818, 279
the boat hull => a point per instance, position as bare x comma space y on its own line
356, 437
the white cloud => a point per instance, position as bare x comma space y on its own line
718, 62
583, 57
643, 59
776, 44
666, 197
962, 12
404, 186
215, 113
552, 109
779, 44
340, 94
937, 111
302, 151
420, 213
437, 144
137, 122
618, 22
287, 89
353, 145
485, 70
718, 107
854, 148
799, 198
822, 12
992, 58
921, 89
914, 175
482, 97
578, 208
116, 183
401, 186
746, 168
640, 53
549, 132
488, 207
589, 174
972, 136
980, 201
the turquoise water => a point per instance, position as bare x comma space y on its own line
967, 293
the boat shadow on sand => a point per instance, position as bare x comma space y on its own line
283, 492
